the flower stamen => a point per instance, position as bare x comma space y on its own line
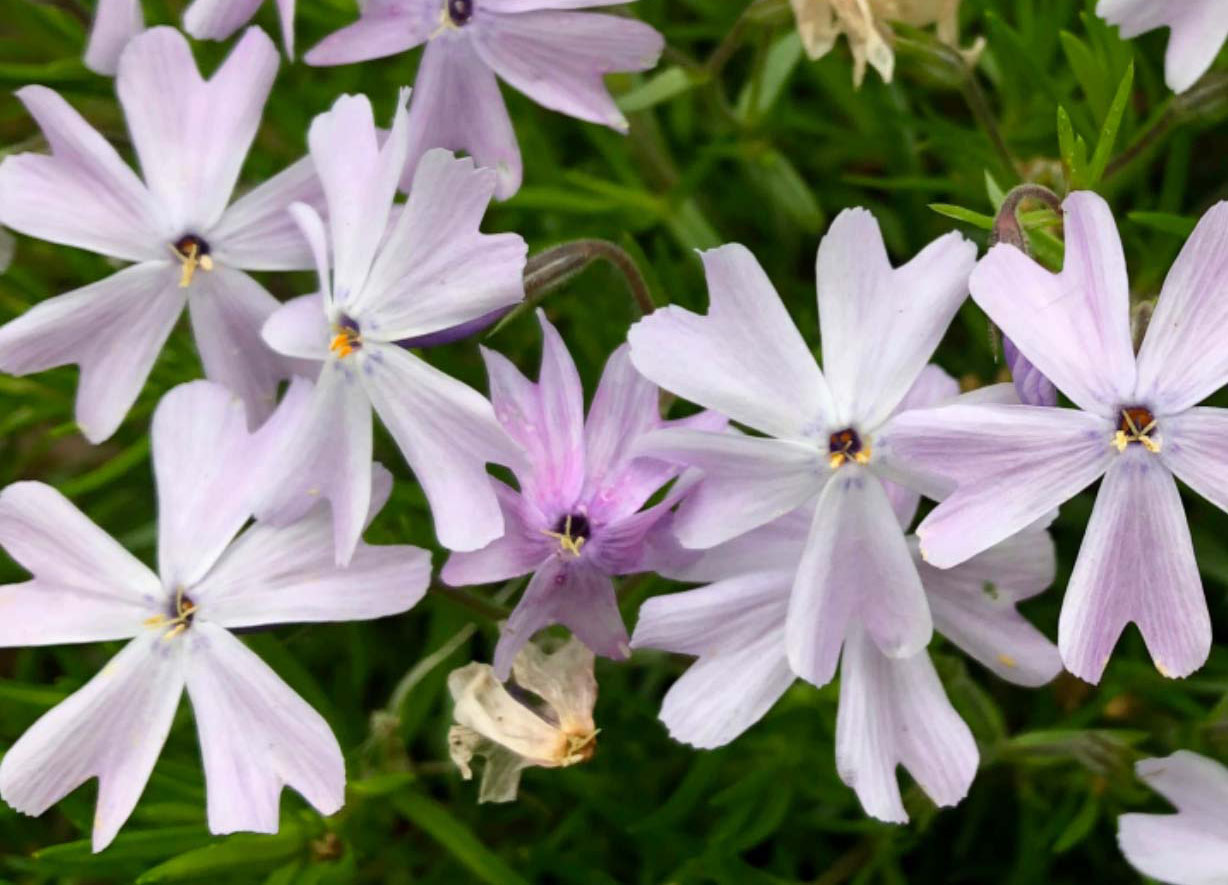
846, 445
572, 532
347, 339
454, 14
1135, 426
185, 610
193, 253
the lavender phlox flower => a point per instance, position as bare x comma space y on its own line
547, 723
118, 21
1197, 31
256, 735
1191, 846
431, 270
577, 518
187, 245
1135, 423
893, 711
747, 360
548, 50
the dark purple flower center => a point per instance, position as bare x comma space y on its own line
573, 525
191, 246
460, 11
180, 613
1136, 424
193, 253
846, 445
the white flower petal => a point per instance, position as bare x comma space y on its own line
86, 587
881, 324
113, 729
256, 736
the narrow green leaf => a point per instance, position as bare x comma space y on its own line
243, 851
662, 87
1080, 825
456, 838
959, 213
1112, 122
1165, 222
145, 845
1066, 145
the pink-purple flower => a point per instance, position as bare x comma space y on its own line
1197, 31
118, 21
1191, 846
747, 360
548, 50
579, 517
189, 246
1136, 424
893, 711
256, 735
428, 270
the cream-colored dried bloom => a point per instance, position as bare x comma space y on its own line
864, 24
545, 720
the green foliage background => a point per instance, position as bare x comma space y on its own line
736, 137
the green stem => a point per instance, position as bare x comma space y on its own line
471, 601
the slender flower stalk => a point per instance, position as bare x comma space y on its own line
577, 519
256, 735
1190, 847
893, 711
380, 284
747, 360
1135, 423
187, 246
546, 49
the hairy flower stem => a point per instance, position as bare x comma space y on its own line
548, 270
1006, 226
1206, 101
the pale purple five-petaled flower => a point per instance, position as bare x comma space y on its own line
577, 519
546, 49
431, 269
256, 734
117, 21
1191, 846
1198, 29
1135, 424
893, 711
746, 359
188, 247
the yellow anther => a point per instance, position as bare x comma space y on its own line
838, 459
345, 342
1007, 661
445, 23
1136, 425
571, 546
184, 609
188, 253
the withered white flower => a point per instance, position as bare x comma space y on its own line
543, 718
864, 23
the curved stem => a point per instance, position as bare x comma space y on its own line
550, 269
1006, 226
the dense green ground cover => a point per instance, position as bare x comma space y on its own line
748, 142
